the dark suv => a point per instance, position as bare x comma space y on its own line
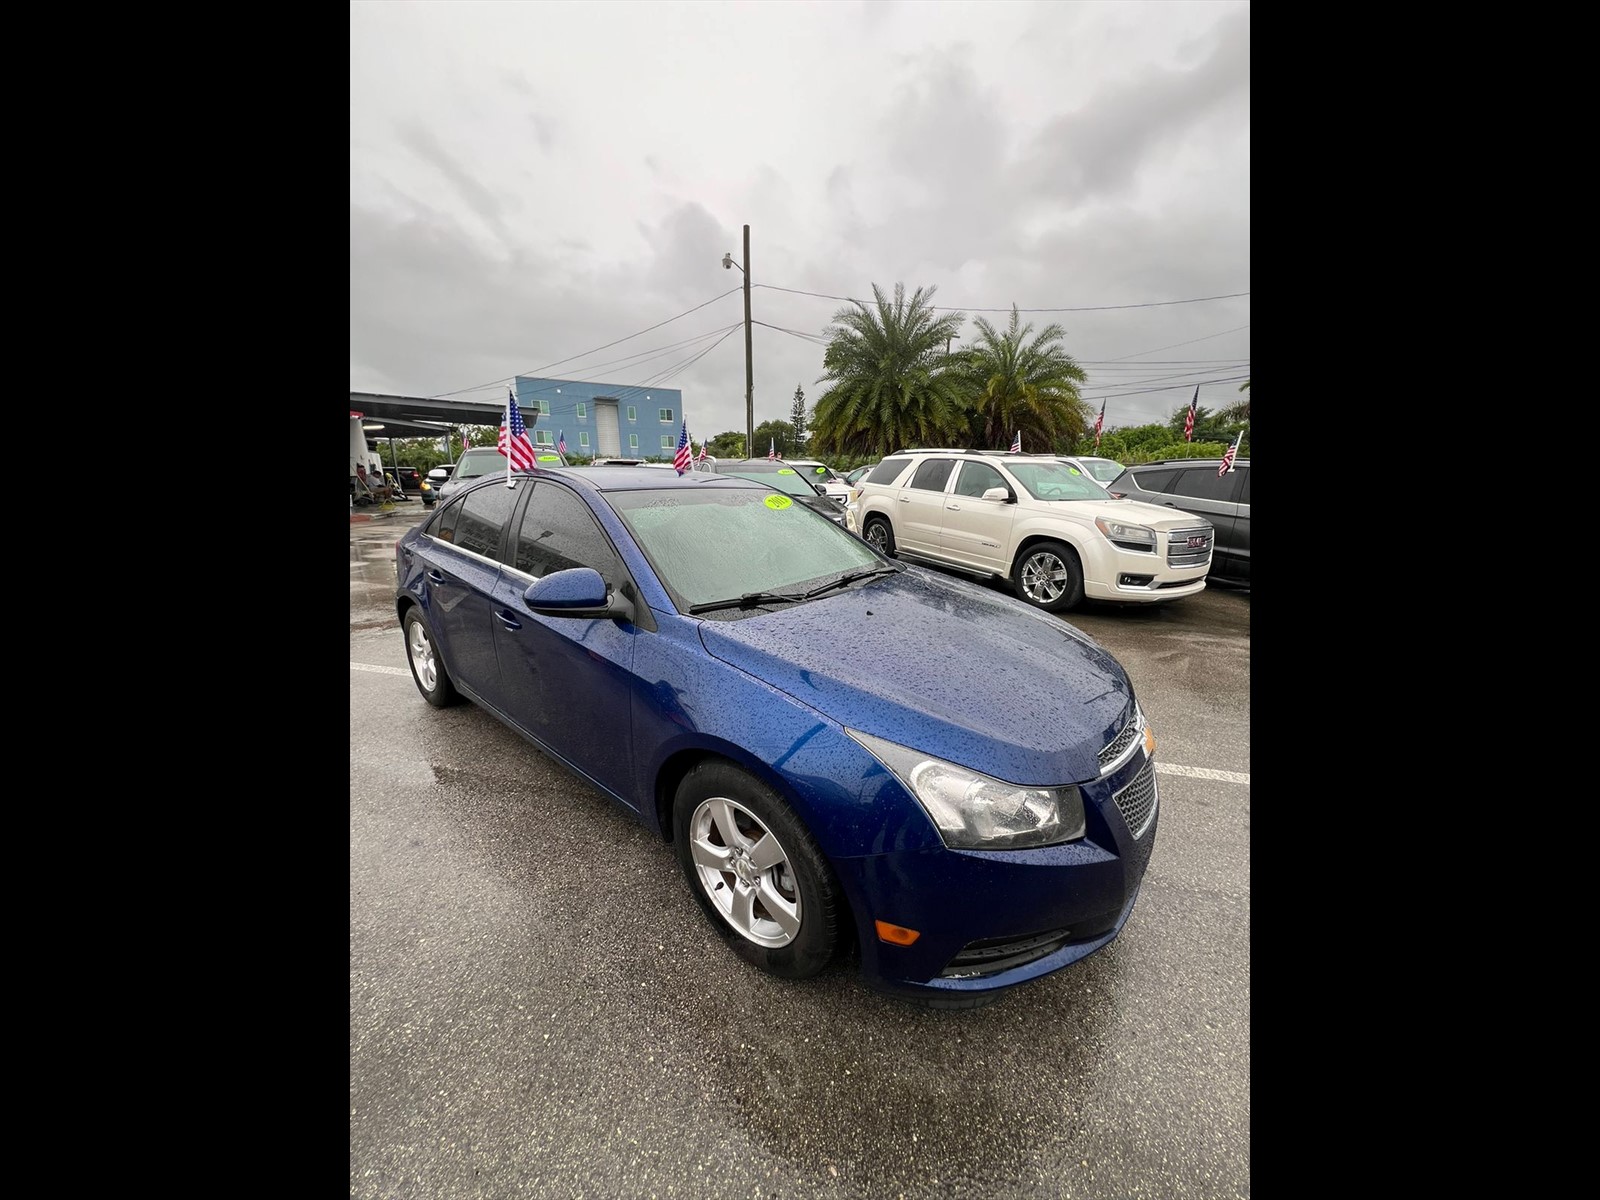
1193, 485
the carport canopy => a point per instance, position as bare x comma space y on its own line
421, 416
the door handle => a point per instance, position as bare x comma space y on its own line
952, 508
436, 576
903, 499
508, 619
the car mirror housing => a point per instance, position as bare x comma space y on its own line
576, 592
998, 493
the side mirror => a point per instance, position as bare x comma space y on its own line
438, 474
998, 493
577, 592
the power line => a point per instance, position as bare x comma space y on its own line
537, 370
964, 308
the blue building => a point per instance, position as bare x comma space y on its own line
602, 420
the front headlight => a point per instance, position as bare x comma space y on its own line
975, 812
1129, 537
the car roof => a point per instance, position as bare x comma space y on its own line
1214, 460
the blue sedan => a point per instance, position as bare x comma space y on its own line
848, 754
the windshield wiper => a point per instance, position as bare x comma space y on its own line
852, 577
748, 600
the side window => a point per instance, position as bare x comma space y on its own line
931, 475
558, 531
1203, 483
1244, 488
483, 517
977, 478
443, 526
888, 470
1154, 481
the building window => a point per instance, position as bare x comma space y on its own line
541, 437
583, 440
666, 416
633, 413
544, 408
633, 441
583, 411
666, 441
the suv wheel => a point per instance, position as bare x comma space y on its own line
1048, 575
879, 536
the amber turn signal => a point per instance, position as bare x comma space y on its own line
1149, 740
897, 935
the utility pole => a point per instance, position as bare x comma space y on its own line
749, 373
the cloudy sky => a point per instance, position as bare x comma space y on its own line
548, 188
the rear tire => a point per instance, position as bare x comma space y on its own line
432, 680
877, 534
1048, 576
756, 871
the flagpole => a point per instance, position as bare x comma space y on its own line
507, 424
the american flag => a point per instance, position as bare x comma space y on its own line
1188, 422
561, 443
1016, 443
1227, 455
514, 442
680, 460
1098, 422
772, 448
704, 446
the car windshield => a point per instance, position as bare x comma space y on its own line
1103, 469
785, 479
1055, 481
720, 545
473, 465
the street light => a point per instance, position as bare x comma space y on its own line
749, 375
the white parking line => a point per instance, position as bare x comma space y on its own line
1161, 767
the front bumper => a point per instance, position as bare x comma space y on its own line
988, 920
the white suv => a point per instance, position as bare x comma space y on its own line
1056, 536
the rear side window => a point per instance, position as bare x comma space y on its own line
887, 471
932, 475
1203, 483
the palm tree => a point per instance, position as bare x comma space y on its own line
1016, 384
1240, 410
888, 386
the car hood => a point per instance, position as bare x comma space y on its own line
1028, 699
1157, 516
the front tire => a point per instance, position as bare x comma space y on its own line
756, 871
432, 680
879, 536
1048, 576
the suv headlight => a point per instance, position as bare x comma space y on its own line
1129, 537
975, 812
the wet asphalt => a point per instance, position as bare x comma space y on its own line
538, 1008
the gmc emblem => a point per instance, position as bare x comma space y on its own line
1197, 542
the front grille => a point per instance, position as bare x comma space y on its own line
1118, 746
1189, 547
993, 955
1137, 801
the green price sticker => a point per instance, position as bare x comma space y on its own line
1075, 470
785, 471
777, 502
549, 458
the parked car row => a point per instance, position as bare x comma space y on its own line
753, 684
1199, 486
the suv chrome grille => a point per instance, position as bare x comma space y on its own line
1189, 547
1137, 801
